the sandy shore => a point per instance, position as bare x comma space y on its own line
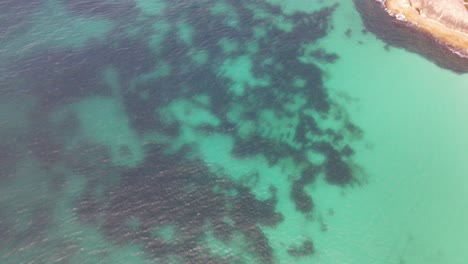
449, 27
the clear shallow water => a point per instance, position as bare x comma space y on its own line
224, 132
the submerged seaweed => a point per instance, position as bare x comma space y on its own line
193, 196
305, 249
188, 71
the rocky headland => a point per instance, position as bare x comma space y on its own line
445, 20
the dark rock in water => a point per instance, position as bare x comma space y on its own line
305, 249
336, 170
322, 55
309, 175
262, 211
307, 124
301, 199
347, 151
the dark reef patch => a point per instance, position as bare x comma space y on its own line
43, 145
174, 190
272, 151
322, 55
349, 33
16, 16
46, 139
262, 212
305, 249
9, 159
336, 170
168, 191
399, 34
313, 26
88, 159
306, 125
302, 200
104, 8
62, 76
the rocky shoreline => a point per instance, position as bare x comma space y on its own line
445, 20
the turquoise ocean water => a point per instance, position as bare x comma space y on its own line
154, 131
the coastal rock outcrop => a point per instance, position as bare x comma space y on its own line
410, 26
451, 13
445, 20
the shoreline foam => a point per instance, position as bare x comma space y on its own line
456, 39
